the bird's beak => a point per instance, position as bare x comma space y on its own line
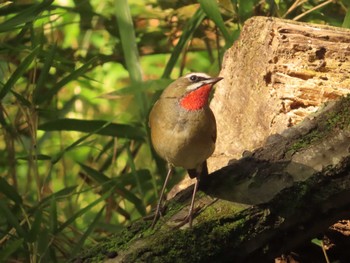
207, 82
212, 80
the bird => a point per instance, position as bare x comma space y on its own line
183, 130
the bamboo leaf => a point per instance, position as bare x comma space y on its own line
9, 191
18, 72
44, 73
115, 183
27, 15
21, 99
72, 76
11, 219
83, 211
346, 22
90, 126
10, 248
87, 233
35, 228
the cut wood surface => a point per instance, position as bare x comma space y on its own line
293, 180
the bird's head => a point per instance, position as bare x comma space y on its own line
192, 90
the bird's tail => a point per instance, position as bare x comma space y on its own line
201, 171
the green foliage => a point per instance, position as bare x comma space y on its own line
77, 80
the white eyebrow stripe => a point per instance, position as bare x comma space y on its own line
199, 74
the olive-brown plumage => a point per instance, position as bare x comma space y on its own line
183, 127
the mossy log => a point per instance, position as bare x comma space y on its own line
289, 190
256, 208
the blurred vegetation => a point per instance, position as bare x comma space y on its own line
78, 78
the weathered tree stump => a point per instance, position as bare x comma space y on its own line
278, 72
294, 185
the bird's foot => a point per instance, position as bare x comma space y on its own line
187, 219
159, 212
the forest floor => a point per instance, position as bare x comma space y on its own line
336, 247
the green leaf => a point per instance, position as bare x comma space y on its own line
11, 247
65, 192
53, 216
21, 99
346, 22
87, 233
72, 76
9, 191
35, 228
187, 33
18, 72
95, 175
41, 157
211, 9
114, 183
83, 211
130, 51
90, 126
27, 15
128, 39
44, 72
11, 219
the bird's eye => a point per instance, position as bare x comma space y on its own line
194, 78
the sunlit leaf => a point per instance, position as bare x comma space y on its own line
72, 76
211, 9
346, 22
187, 33
111, 129
26, 15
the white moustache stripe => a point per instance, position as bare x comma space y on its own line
199, 84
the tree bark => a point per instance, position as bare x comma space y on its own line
287, 191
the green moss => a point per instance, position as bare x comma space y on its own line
112, 245
339, 118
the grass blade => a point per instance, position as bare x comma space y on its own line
127, 36
211, 9
191, 26
130, 51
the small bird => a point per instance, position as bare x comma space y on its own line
183, 129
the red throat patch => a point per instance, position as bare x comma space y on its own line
196, 99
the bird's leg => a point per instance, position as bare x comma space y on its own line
190, 212
159, 204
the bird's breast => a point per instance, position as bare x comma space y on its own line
183, 138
